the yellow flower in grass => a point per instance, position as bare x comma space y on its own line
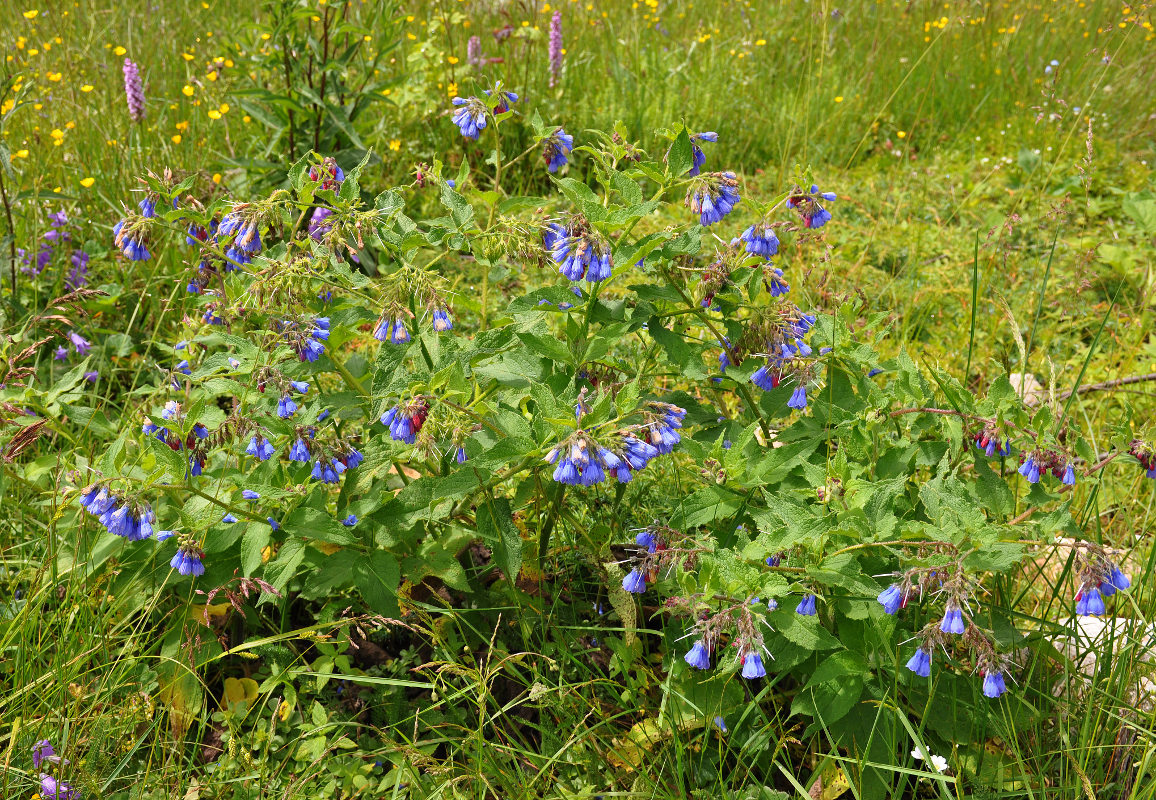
87, 182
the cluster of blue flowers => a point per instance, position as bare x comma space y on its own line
307, 341
1098, 584
696, 152
393, 331
791, 347
120, 517
578, 252
189, 560
760, 240
260, 448
992, 444
1044, 461
555, 148
713, 197
129, 242
807, 204
470, 116
245, 230
287, 406
405, 420
582, 461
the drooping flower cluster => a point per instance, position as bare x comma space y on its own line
582, 460
131, 519
781, 337
714, 196
761, 240
992, 441
808, 208
245, 228
470, 116
329, 469
189, 559
1099, 577
405, 420
554, 149
391, 329
129, 236
1041, 461
1145, 453
578, 250
327, 173
696, 152
307, 338
658, 548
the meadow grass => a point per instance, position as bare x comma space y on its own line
925, 118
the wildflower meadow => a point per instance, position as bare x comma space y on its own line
510, 399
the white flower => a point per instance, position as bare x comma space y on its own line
938, 762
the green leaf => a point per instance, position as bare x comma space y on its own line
682, 354
253, 543
804, 631
583, 197
459, 208
681, 155
173, 462
549, 346
495, 522
1142, 211
378, 578
281, 569
309, 523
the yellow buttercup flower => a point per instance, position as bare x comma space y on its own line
120, 51
87, 182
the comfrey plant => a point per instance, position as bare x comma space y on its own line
340, 410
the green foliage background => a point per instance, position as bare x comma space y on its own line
969, 177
